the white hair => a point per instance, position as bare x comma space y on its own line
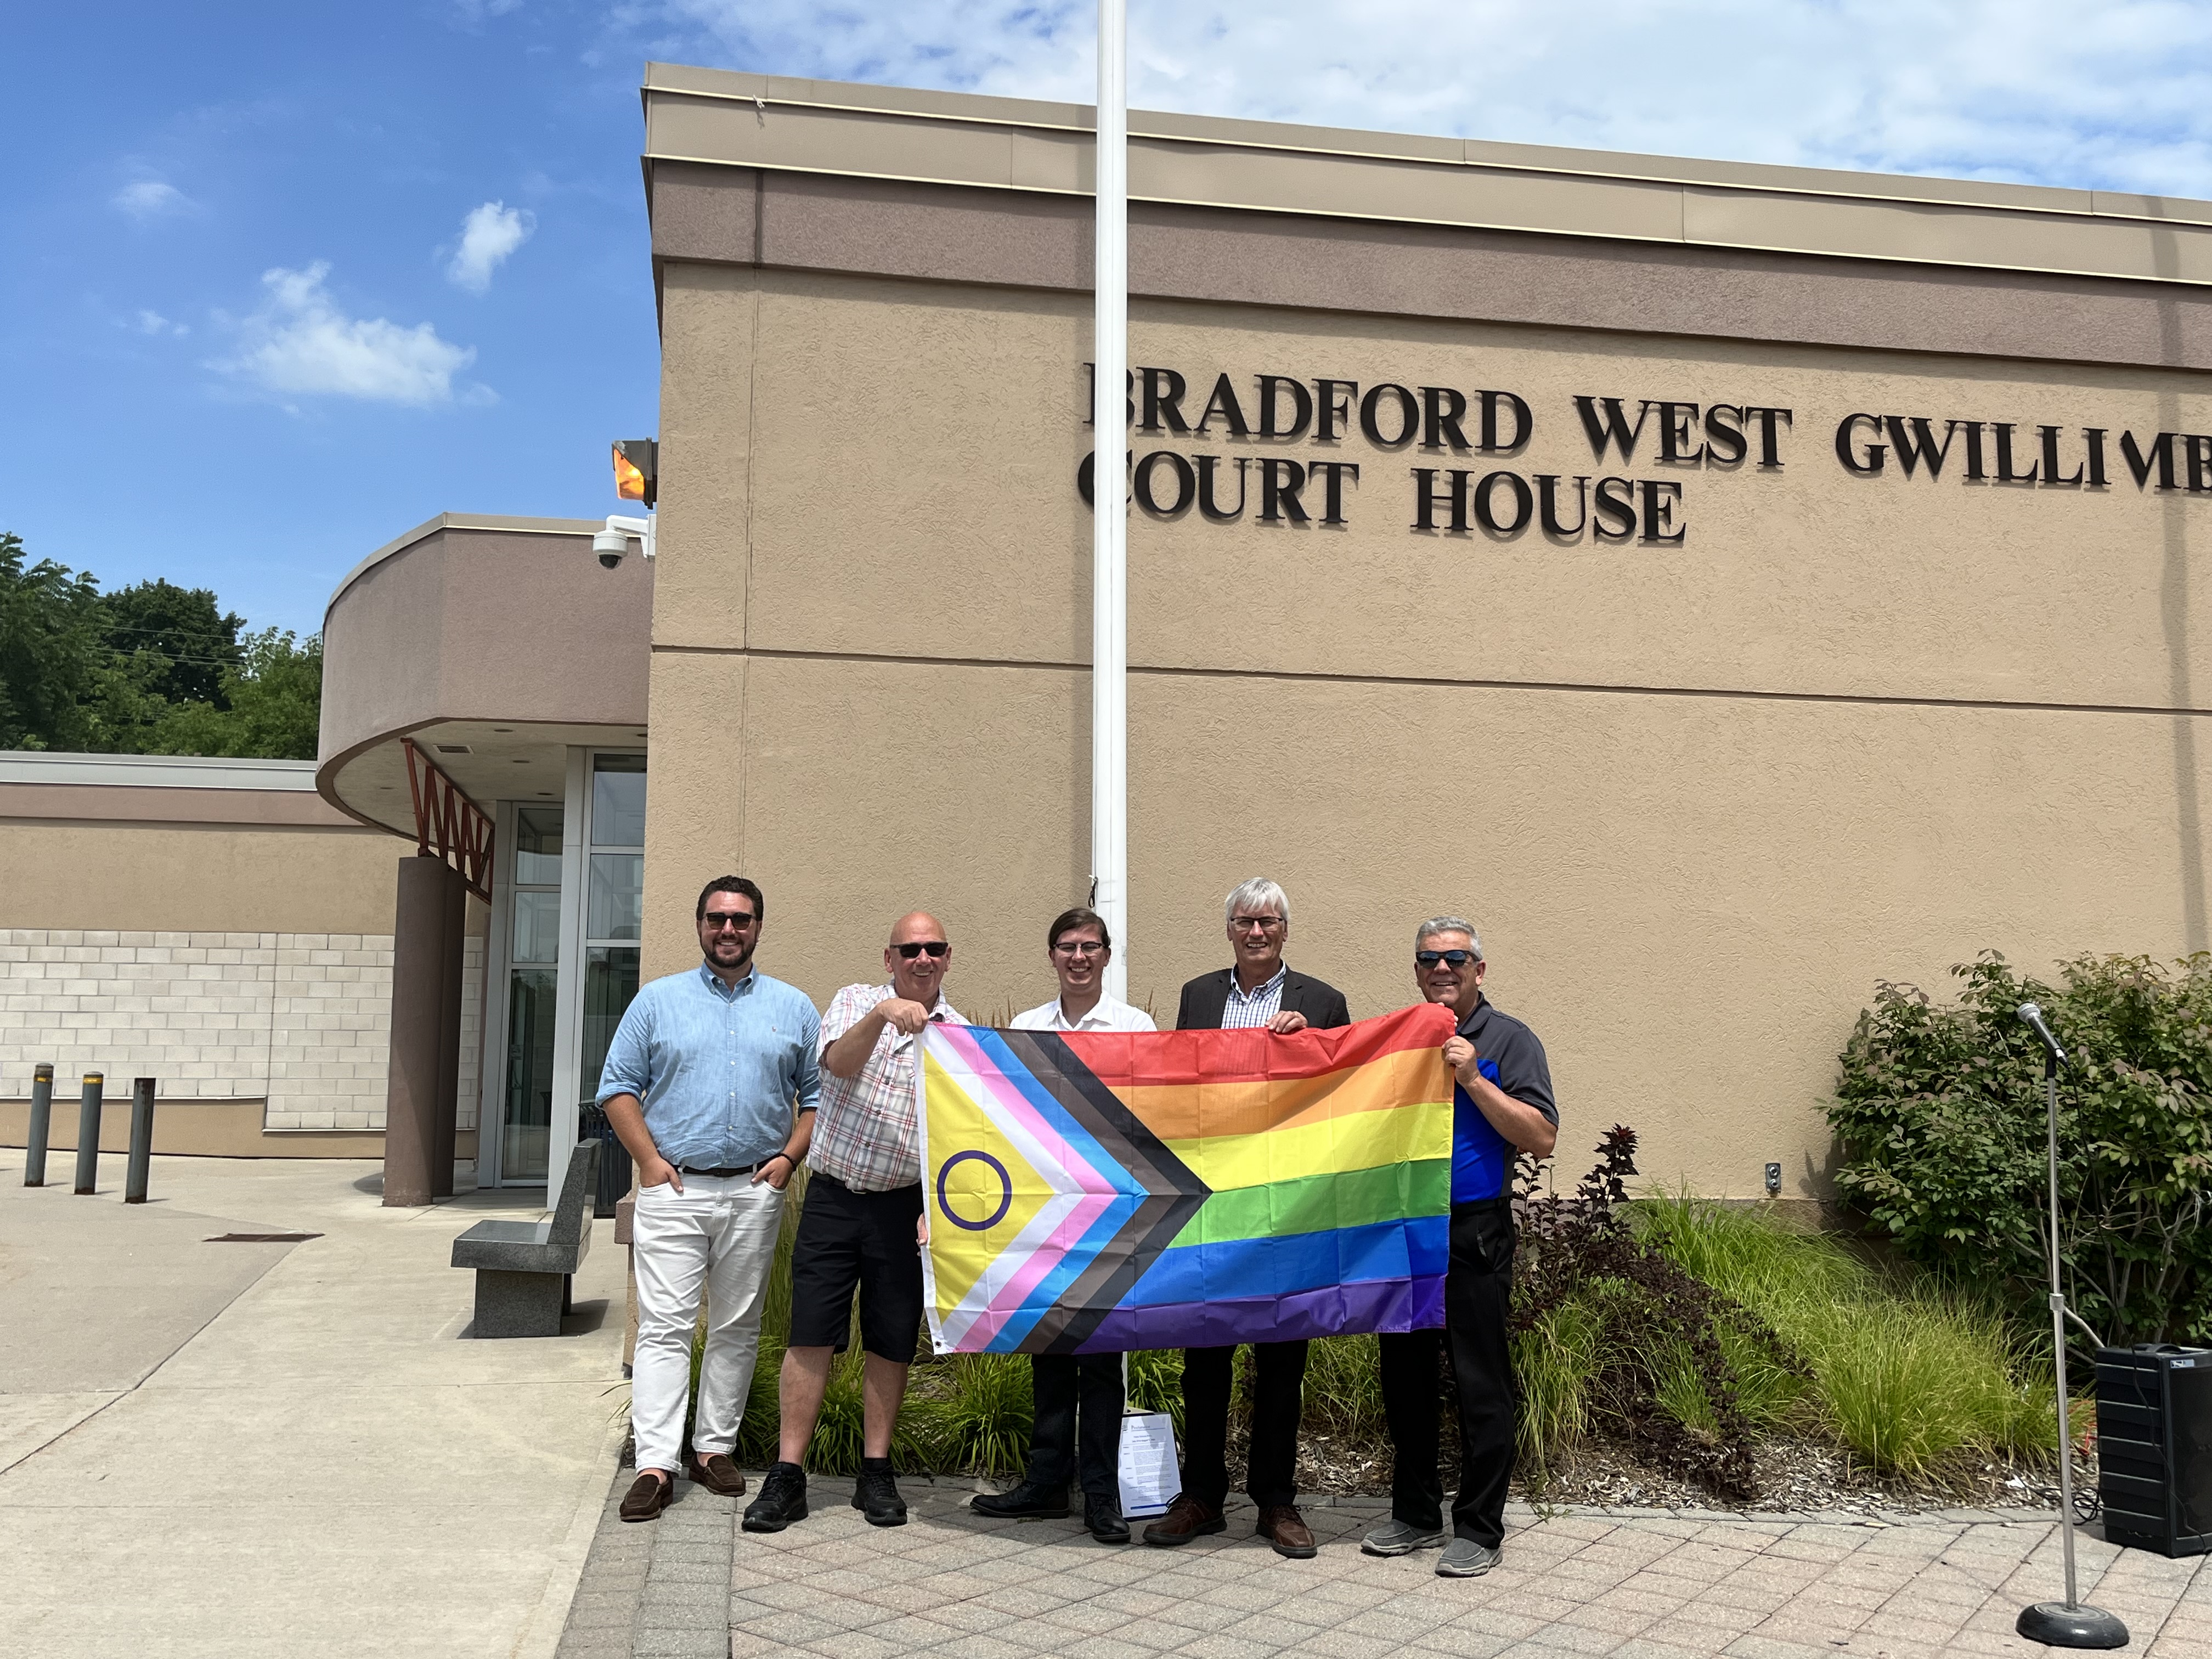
1258, 890
1435, 925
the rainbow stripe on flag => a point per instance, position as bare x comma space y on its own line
1095, 1192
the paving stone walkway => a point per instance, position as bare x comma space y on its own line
1631, 1584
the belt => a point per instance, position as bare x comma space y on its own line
685, 1169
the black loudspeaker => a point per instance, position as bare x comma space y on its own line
2154, 1447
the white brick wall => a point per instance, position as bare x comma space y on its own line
302, 1021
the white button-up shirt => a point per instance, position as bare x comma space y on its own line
1108, 1016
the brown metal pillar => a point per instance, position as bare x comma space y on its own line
453, 941
410, 1100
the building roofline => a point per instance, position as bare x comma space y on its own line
1021, 145
155, 771
504, 523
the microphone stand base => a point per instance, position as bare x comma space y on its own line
2055, 1625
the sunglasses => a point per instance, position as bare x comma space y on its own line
717, 921
1457, 958
935, 947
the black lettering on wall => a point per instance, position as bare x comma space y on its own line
1427, 498
1301, 406
1370, 415
1223, 405
1206, 504
1186, 485
1770, 422
1485, 513
1332, 408
2051, 462
1605, 423
1868, 460
1675, 421
1547, 496
2092, 439
1086, 472
1724, 440
1661, 497
1973, 431
1442, 411
1524, 423
1280, 480
1914, 440
2199, 446
1334, 473
2139, 465
2005, 473
1613, 503
1163, 390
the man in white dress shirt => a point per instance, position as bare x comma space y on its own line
1080, 948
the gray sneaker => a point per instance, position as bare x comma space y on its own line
1396, 1537
1465, 1558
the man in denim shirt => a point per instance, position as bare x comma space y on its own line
711, 1083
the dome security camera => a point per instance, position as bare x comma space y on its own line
610, 545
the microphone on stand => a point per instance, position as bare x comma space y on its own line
2034, 1015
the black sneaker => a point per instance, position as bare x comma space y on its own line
1045, 1502
1103, 1515
877, 1495
782, 1499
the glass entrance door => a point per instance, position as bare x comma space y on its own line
532, 988
614, 909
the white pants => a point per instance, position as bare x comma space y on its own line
717, 1234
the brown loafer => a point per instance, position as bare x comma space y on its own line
1186, 1519
648, 1495
1281, 1525
717, 1473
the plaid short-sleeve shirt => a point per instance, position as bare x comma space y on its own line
865, 1134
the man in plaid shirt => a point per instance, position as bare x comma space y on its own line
862, 1228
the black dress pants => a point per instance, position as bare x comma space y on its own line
1062, 1383
1477, 1292
1278, 1396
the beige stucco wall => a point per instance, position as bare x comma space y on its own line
1701, 798
196, 877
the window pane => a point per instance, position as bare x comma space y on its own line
618, 904
618, 800
610, 982
527, 1118
537, 928
538, 844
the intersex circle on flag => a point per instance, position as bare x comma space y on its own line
1006, 1191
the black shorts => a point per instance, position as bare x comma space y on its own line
865, 1241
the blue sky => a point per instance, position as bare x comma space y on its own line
283, 280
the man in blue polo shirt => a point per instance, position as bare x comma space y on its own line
1501, 1105
711, 1083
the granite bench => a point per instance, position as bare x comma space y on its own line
523, 1268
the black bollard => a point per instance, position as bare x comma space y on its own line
87, 1132
42, 1118
142, 1141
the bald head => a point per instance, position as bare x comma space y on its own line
917, 956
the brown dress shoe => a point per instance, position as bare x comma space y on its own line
717, 1473
1283, 1527
647, 1496
1186, 1519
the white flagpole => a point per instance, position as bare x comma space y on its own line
1109, 544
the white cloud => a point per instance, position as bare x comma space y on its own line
151, 198
489, 234
2115, 95
153, 322
299, 343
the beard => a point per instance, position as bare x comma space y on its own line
745, 955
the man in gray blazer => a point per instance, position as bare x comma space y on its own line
1259, 990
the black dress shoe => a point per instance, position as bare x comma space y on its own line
782, 1499
1103, 1515
648, 1495
1046, 1503
876, 1494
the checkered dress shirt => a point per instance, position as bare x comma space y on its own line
1241, 1012
865, 1134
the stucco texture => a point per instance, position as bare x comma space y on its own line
1701, 797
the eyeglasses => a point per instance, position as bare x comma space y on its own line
1457, 958
1082, 947
935, 947
1245, 924
717, 921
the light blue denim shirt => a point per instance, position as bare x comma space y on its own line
722, 1073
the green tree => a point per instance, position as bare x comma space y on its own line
270, 708
179, 640
59, 685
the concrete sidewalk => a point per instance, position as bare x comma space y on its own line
273, 1449
1630, 1585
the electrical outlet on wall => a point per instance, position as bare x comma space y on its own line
1774, 1180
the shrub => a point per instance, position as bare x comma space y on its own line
1940, 1112
1645, 1344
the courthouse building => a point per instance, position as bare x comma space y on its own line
1731, 585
